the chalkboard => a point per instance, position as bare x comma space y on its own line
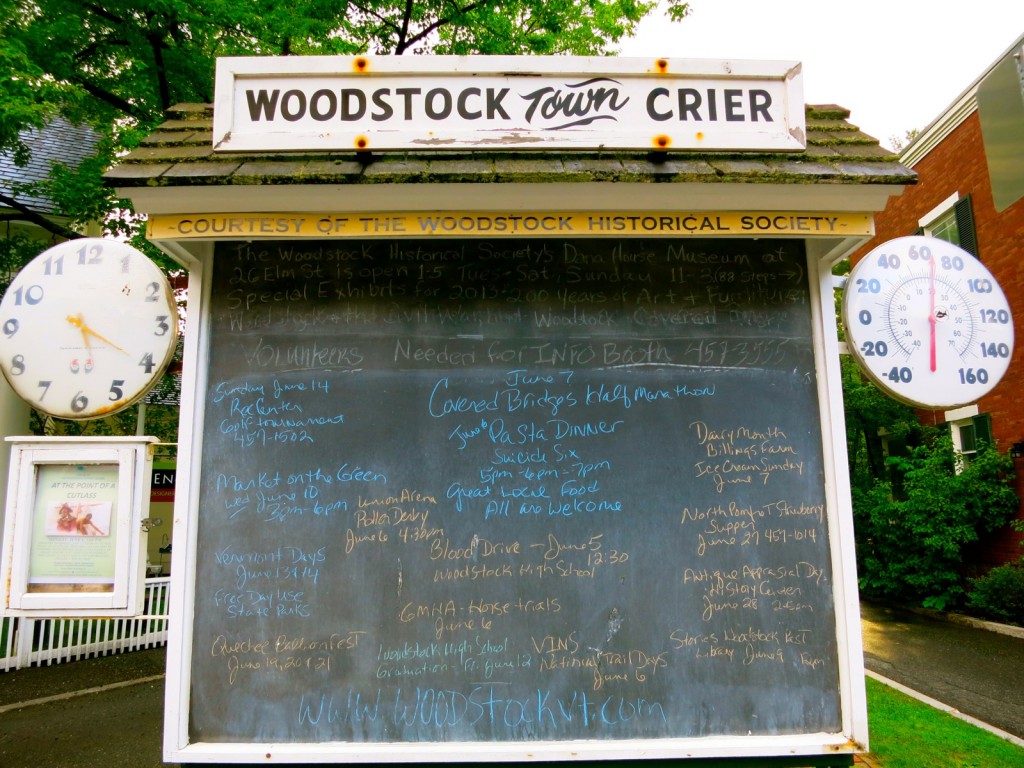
512, 491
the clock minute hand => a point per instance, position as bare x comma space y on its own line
87, 331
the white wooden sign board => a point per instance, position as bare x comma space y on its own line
498, 103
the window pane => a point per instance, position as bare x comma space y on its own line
968, 441
946, 229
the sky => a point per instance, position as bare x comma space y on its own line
895, 64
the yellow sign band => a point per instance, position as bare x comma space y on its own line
228, 226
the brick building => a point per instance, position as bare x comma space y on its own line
970, 191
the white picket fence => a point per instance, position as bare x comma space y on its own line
28, 642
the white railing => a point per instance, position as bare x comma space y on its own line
27, 642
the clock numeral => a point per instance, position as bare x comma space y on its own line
147, 362
90, 254
53, 266
971, 376
904, 375
154, 291
11, 327
161, 326
116, 393
45, 386
79, 403
875, 349
868, 286
18, 365
30, 295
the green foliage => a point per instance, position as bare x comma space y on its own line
910, 547
999, 594
161, 421
15, 251
117, 65
30, 97
899, 143
869, 414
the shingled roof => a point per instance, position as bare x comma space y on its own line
180, 153
58, 142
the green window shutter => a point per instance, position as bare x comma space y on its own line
965, 225
983, 429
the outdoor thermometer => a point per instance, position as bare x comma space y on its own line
87, 328
927, 322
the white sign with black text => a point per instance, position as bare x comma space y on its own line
497, 103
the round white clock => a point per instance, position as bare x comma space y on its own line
927, 322
87, 328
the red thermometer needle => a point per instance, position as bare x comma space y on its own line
931, 312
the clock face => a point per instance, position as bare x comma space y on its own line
927, 322
86, 328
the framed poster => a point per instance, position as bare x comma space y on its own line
74, 542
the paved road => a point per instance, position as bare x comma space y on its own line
980, 673
116, 728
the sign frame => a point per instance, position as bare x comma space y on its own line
785, 749
500, 103
56, 487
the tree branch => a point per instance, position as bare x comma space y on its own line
155, 39
385, 22
27, 214
440, 23
103, 13
403, 33
111, 99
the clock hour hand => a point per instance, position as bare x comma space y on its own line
79, 323
81, 327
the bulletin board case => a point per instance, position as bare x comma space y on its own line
74, 543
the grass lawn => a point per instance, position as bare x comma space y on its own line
906, 733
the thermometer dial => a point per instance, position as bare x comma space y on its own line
928, 323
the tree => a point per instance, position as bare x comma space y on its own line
870, 414
911, 545
117, 65
899, 144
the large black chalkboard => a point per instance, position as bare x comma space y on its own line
512, 491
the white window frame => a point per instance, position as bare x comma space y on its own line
939, 213
958, 419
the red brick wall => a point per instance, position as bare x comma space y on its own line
958, 165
